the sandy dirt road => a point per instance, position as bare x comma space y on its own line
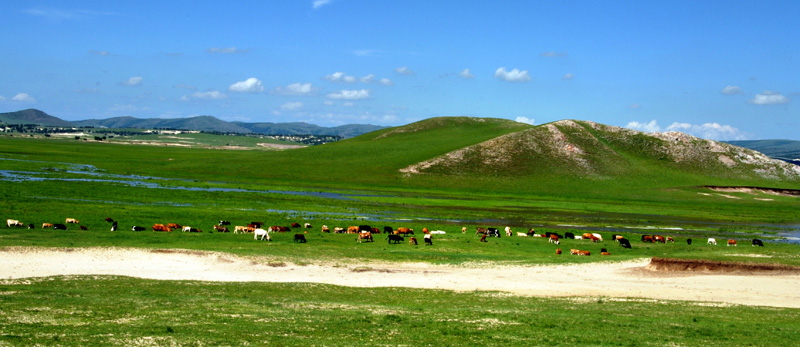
632, 279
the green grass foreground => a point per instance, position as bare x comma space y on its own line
106, 310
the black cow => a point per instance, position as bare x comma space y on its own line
388, 230
689, 242
299, 238
624, 243
493, 232
30, 226
395, 238
757, 242
135, 228
109, 220
428, 241
59, 227
224, 222
603, 250
569, 236
256, 224
364, 228
547, 235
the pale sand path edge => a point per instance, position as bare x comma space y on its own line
603, 279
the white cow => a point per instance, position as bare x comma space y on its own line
598, 236
13, 222
187, 228
522, 234
712, 241
438, 232
261, 232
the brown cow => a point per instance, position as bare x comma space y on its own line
647, 238
239, 228
670, 239
174, 226
480, 230
364, 237
295, 225
554, 239
47, 225
659, 238
71, 220
412, 241
605, 253
325, 229
584, 253
558, 250
221, 229
161, 227
352, 229
731, 242
404, 231
83, 228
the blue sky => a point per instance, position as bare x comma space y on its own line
722, 70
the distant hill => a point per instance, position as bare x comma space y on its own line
582, 149
786, 150
33, 116
201, 123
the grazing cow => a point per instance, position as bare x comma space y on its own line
261, 232
603, 250
186, 229
428, 239
299, 238
615, 237
404, 231
338, 230
256, 224
522, 234
647, 239
239, 228
658, 238
584, 253
135, 228
30, 226
13, 223
352, 229
573, 251
731, 242
281, 229
480, 230
325, 229
362, 228
587, 236
174, 226
598, 236
82, 227
395, 238
624, 243
493, 232
58, 226
221, 229
530, 232
689, 242
47, 225
224, 222
554, 239
109, 220
72, 221
577, 237
757, 242
604, 253
508, 231
162, 227
549, 233
295, 225
376, 231
593, 238
712, 241
307, 225
412, 241
463, 230
388, 230
114, 226
569, 235
670, 239
578, 252
558, 251
364, 237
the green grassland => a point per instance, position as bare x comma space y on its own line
357, 181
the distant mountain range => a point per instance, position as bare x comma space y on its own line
202, 123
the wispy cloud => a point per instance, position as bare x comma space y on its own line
568, 76
250, 85
711, 131
133, 81
340, 77
23, 97
386, 82
770, 98
61, 14
319, 3
295, 89
365, 52
732, 90
227, 50
100, 53
291, 106
553, 54
514, 75
525, 120
210, 95
466, 74
404, 71
350, 94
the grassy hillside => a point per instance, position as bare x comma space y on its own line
32, 116
787, 150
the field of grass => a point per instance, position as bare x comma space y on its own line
107, 310
357, 182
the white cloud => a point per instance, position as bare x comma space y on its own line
711, 131
364, 52
568, 76
210, 95
404, 71
133, 81
731, 90
525, 120
553, 54
250, 85
386, 82
23, 97
368, 78
290, 106
101, 53
770, 98
319, 3
350, 94
2, 98
635, 106
348, 104
340, 77
226, 50
466, 74
328, 102
295, 89
514, 75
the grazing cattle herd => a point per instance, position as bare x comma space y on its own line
394, 236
